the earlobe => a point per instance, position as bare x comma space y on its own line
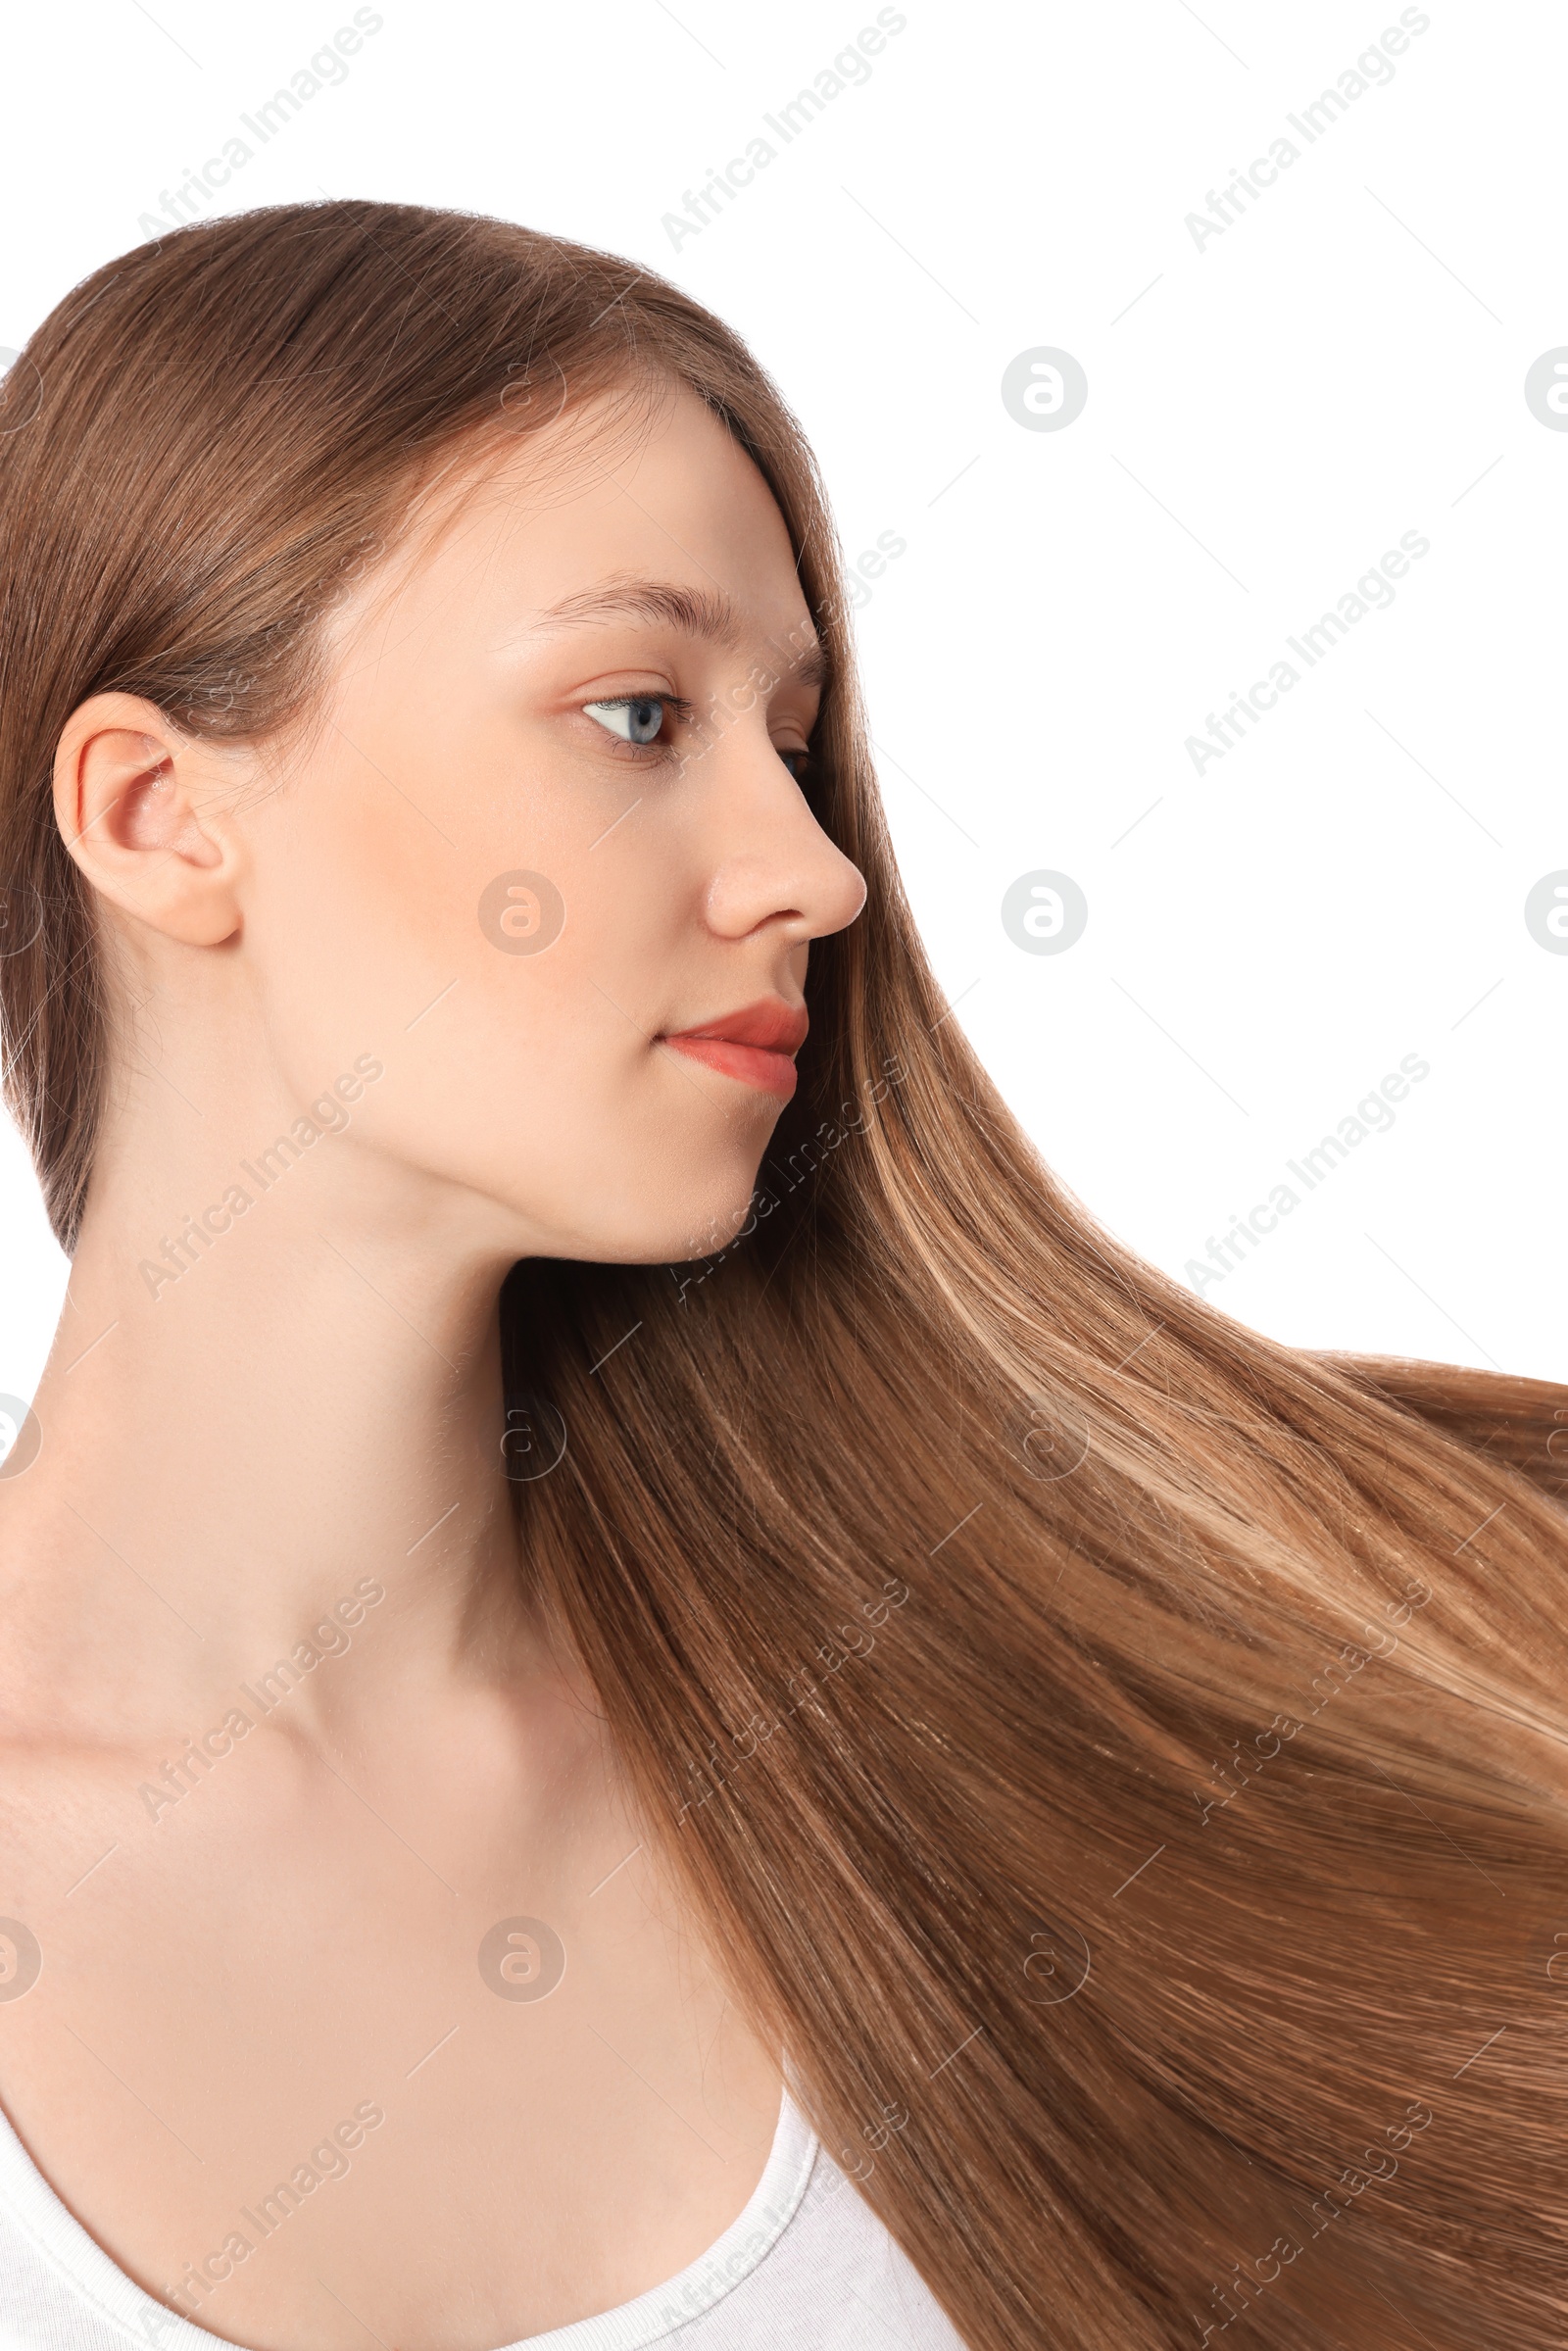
133, 797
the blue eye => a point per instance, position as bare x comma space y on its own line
635, 717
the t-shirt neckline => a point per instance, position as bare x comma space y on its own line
98, 2280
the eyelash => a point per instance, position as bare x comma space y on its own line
677, 706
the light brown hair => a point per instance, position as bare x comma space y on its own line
1117, 1757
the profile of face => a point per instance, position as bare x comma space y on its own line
547, 820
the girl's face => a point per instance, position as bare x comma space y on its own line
550, 825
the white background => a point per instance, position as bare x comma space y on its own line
1266, 414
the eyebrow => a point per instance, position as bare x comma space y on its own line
703, 612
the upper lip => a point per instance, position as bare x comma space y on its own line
770, 1024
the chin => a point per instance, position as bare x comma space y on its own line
690, 1221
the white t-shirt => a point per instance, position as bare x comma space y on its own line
806, 2267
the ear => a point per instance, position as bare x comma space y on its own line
132, 794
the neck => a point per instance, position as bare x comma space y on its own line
307, 1410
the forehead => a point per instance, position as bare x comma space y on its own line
616, 490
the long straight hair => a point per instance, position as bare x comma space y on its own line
1116, 1757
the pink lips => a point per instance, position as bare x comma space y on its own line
757, 1045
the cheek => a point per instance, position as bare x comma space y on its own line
508, 963
547, 1067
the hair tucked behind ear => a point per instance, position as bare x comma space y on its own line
1119, 1758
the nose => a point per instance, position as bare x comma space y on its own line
773, 864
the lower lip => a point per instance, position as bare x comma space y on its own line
771, 1073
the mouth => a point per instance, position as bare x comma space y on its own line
757, 1045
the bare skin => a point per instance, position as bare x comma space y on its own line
308, 1414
